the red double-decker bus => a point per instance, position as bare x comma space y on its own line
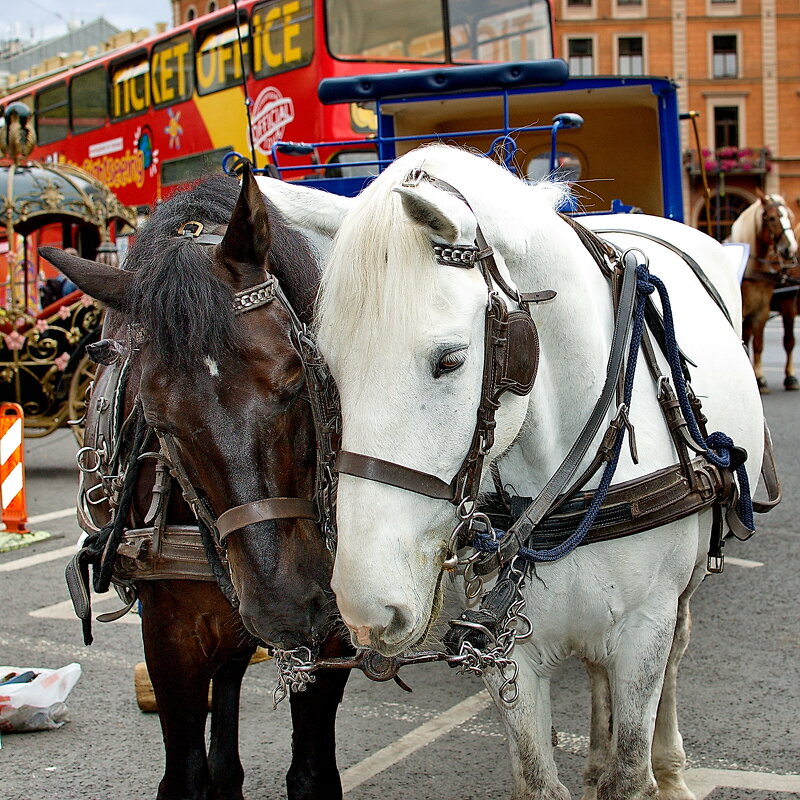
166, 110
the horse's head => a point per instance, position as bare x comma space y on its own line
404, 338
225, 387
776, 225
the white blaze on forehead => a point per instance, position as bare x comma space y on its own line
213, 367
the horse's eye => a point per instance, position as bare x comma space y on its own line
450, 361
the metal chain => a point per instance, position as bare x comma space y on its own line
515, 626
294, 674
296, 667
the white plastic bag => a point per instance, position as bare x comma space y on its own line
39, 704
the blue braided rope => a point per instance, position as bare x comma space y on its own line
716, 448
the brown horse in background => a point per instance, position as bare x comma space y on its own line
228, 388
766, 226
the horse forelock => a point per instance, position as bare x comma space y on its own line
380, 284
380, 280
186, 310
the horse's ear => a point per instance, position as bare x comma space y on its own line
444, 218
760, 194
247, 240
109, 285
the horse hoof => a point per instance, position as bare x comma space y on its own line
763, 386
791, 384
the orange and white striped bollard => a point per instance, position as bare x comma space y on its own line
12, 468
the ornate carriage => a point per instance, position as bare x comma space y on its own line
45, 327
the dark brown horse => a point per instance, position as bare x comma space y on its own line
766, 225
226, 389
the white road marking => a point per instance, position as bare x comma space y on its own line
742, 562
39, 558
64, 610
60, 514
413, 741
701, 781
704, 781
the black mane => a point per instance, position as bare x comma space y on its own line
185, 310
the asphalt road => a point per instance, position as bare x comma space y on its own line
739, 687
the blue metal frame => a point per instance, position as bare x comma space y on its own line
504, 81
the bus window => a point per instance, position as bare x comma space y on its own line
130, 86
283, 36
217, 62
88, 100
171, 71
414, 30
51, 113
500, 30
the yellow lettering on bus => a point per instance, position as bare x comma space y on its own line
291, 30
273, 60
155, 71
166, 72
139, 102
205, 79
117, 112
180, 50
224, 54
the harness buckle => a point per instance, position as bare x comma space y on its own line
414, 177
715, 563
186, 233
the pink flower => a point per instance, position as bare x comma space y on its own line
41, 325
64, 312
14, 340
62, 361
86, 301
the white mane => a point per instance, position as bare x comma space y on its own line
380, 283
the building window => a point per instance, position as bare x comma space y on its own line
191, 13
579, 3
630, 51
725, 61
726, 126
629, 2
581, 57
212, 6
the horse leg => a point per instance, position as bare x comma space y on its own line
669, 757
528, 726
636, 674
600, 728
180, 673
759, 321
788, 309
227, 774
313, 774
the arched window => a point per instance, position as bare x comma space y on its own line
191, 13
725, 209
212, 6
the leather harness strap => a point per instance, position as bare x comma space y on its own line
376, 469
263, 511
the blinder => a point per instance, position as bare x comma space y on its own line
510, 364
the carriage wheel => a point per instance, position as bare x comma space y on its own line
79, 387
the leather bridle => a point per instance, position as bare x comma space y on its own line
775, 268
510, 362
271, 508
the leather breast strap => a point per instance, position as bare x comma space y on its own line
262, 511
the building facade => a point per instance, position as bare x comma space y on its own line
187, 10
738, 66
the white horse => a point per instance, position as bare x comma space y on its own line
403, 336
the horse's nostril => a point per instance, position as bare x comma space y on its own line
400, 624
